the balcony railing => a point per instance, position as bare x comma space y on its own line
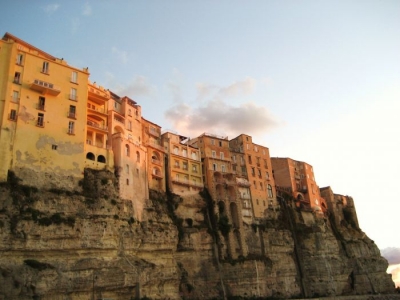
71, 115
95, 125
14, 99
73, 97
17, 80
102, 111
40, 122
187, 182
40, 107
45, 87
12, 117
156, 146
156, 161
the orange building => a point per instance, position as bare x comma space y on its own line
220, 180
297, 178
183, 169
151, 134
253, 163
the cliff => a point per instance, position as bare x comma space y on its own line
84, 244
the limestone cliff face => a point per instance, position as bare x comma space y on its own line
84, 244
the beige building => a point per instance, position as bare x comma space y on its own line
297, 178
183, 170
252, 163
130, 156
42, 116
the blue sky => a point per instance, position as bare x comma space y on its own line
316, 81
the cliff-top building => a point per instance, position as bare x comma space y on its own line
43, 106
183, 171
297, 179
252, 162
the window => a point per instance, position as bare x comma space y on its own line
137, 156
270, 194
13, 115
213, 154
127, 150
185, 166
212, 142
73, 95
221, 155
129, 112
234, 158
220, 143
45, 67
41, 103
71, 129
253, 171
194, 168
267, 175
264, 202
215, 167
17, 77
127, 169
101, 159
90, 156
254, 184
249, 157
223, 168
15, 96
258, 160
263, 151
194, 155
127, 181
40, 120
184, 152
54, 147
74, 77
259, 173
255, 148
129, 125
243, 170
234, 168
247, 146
261, 187
176, 150
241, 160
20, 58
177, 164
72, 112
257, 201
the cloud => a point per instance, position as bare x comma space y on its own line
238, 88
138, 86
120, 54
87, 10
51, 8
392, 255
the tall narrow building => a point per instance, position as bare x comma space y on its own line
253, 163
42, 116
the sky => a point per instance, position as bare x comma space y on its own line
316, 81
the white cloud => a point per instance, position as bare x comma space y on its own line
138, 86
87, 9
120, 54
51, 8
216, 114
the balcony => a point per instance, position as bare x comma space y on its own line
187, 182
101, 111
155, 146
119, 119
97, 126
154, 132
40, 122
71, 115
14, 99
98, 95
40, 107
17, 80
156, 161
45, 87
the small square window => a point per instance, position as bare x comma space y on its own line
54, 147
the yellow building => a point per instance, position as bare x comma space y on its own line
297, 178
184, 175
42, 116
151, 133
253, 162
130, 155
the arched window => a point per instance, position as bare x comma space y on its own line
270, 194
101, 159
90, 156
127, 150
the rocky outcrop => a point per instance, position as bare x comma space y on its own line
59, 244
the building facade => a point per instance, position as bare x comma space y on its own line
183, 165
252, 162
42, 116
297, 178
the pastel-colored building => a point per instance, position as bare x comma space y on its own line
297, 178
42, 116
151, 134
252, 162
130, 155
183, 170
